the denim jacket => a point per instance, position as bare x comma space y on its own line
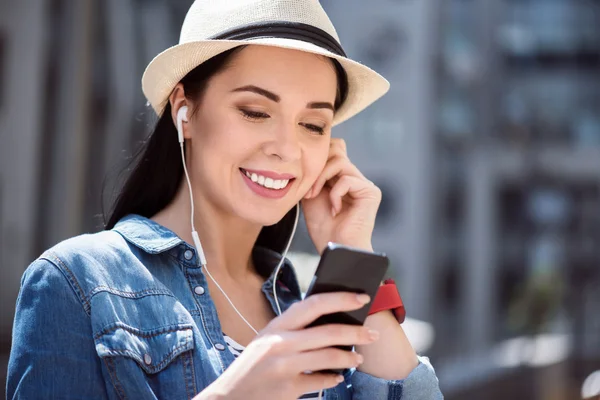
126, 314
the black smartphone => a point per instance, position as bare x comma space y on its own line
343, 268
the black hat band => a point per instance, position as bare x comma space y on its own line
284, 30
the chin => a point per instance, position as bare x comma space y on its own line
264, 216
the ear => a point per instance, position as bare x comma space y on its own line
177, 100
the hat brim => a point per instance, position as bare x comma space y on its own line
169, 67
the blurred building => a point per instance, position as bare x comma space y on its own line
488, 152
487, 149
518, 159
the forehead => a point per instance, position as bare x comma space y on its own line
284, 68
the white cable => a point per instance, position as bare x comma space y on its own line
199, 246
202, 257
194, 233
287, 247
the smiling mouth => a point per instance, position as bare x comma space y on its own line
269, 183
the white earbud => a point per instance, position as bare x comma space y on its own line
181, 116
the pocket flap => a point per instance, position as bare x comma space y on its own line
152, 350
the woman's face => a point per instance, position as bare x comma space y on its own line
261, 132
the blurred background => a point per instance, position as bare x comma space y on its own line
487, 149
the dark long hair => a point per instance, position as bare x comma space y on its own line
157, 171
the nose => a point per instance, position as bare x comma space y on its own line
284, 143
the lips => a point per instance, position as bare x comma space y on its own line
267, 186
265, 181
269, 174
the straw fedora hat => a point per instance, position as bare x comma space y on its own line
214, 26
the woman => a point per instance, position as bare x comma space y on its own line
252, 90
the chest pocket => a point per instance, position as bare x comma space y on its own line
147, 350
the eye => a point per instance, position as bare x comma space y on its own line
254, 115
314, 128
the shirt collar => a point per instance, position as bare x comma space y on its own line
266, 261
147, 234
154, 238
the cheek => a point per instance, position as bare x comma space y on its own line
222, 141
315, 163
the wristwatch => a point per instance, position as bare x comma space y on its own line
388, 298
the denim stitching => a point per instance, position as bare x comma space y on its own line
113, 375
184, 359
183, 362
144, 334
165, 246
71, 278
187, 278
127, 352
194, 387
131, 295
137, 241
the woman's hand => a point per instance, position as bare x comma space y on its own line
342, 205
273, 365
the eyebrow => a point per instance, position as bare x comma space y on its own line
273, 97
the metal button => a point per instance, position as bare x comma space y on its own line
188, 254
219, 346
147, 359
199, 290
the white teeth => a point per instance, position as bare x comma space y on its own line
267, 182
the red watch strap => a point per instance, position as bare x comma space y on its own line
388, 298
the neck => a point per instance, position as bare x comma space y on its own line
226, 239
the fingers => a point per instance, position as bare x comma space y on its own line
328, 335
356, 187
338, 146
306, 383
336, 167
316, 360
321, 360
330, 358
302, 313
338, 164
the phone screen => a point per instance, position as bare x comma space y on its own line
346, 269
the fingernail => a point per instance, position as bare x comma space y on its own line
360, 359
340, 378
333, 212
373, 334
363, 298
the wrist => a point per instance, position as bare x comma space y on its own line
390, 357
388, 299
380, 319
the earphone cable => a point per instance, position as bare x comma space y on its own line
203, 259
199, 248
285, 251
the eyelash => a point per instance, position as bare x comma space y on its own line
314, 128
254, 115
257, 115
